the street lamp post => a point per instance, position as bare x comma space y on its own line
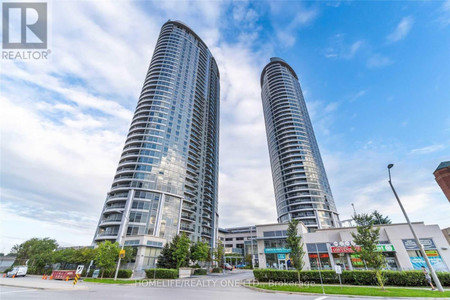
430, 267
319, 266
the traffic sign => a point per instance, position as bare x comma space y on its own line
122, 253
338, 269
79, 269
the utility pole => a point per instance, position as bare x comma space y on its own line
123, 229
416, 238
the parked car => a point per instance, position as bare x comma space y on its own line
239, 266
227, 266
18, 271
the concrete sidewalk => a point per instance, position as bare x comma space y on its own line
41, 284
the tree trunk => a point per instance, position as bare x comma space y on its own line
102, 273
379, 279
298, 274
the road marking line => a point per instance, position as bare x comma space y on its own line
321, 298
18, 291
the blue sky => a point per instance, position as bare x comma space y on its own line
375, 75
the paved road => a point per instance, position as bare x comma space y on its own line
202, 288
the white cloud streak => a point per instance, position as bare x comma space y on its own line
427, 149
378, 61
402, 29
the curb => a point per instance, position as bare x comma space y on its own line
21, 286
79, 288
331, 295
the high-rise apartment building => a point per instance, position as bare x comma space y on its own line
301, 186
167, 177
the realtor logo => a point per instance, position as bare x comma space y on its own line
24, 25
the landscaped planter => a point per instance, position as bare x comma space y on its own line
185, 272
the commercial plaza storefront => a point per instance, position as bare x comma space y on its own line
330, 247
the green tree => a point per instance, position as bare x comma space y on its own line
181, 253
378, 218
37, 251
294, 242
165, 258
64, 256
130, 254
107, 255
199, 251
367, 237
219, 253
248, 260
74, 256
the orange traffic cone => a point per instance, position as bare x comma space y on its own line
14, 276
51, 277
4, 275
67, 278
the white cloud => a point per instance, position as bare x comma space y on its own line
358, 95
427, 149
444, 17
63, 134
379, 61
64, 122
304, 16
402, 29
361, 178
338, 48
295, 16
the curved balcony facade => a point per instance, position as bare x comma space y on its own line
301, 186
170, 156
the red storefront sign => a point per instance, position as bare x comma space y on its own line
322, 255
344, 249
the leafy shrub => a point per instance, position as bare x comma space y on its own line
216, 270
444, 277
83, 274
356, 277
162, 273
108, 273
125, 273
200, 272
39, 271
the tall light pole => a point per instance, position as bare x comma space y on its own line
430, 267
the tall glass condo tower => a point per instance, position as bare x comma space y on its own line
301, 186
167, 178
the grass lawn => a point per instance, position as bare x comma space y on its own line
110, 281
356, 290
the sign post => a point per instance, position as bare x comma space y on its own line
121, 255
338, 270
319, 266
78, 274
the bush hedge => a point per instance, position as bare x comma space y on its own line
123, 273
216, 270
200, 272
83, 274
356, 277
162, 273
39, 271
